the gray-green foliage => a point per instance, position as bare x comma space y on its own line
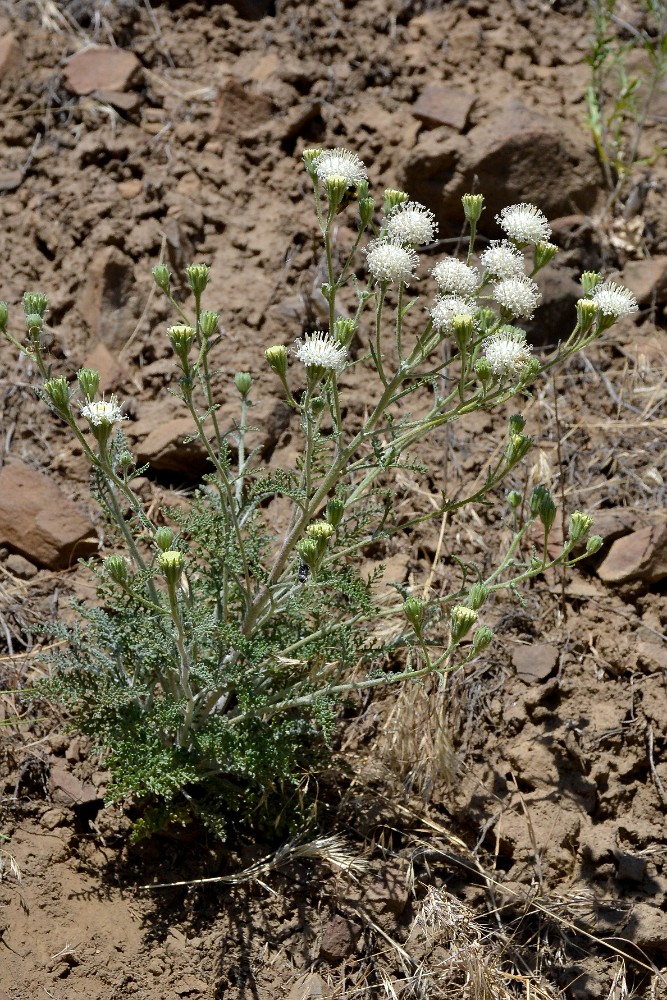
209, 673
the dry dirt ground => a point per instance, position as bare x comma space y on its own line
513, 825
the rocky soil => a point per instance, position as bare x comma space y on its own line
509, 830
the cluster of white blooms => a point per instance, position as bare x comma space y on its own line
524, 223
614, 300
320, 350
389, 261
507, 351
446, 308
411, 224
519, 296
103, 412
453, 277
340, 163
502, 259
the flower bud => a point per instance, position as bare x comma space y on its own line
33, 323
473, 206
35, 302
392, 199
485, 319
116, 569
484, 372
162, 277
413, 609
317, 404
89, 381
208, 324
463, 327
542, 254
320, 530
197, 275
481, 639
335, 511
309, 552
125, 460
344, 330
594, 544
366, 210
243, 382
530, 371
328, 290
309, 157
461, 621
519, 446
477, 595
580, 525
514, 499
589, 281
542, 506
171, 563
516, 424
4, 316
335, 189
277, 359
587, 312
57, 390
182, 338
163, 538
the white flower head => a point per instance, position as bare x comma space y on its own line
320, 350
524, 223
340, 163
390, 261
453, 277
446, 308
519, 296
502, 259
103, 412
412, 224
507, 351
614, 300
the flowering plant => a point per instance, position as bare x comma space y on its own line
212, 669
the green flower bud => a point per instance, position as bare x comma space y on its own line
328, 290
309, 551
89, 381
125, 460
243, 382
482, 637
277, 358
461, 621
589, 281
317, 404
197, 275
164, 536
484, 372
516, 424
182, 338
477, 595
536, 563
344, 330
485, 319
413, 609
335, 189
542, 254
208, 324
392, 199
309, 157
35, 302
587, 312
57, 390
519, 446
530, 371
514, 499
33, 323
542, 506
361, 188
366, 210
171, 563
162, 277
4, 316
320, 530
463, 327
335, 511
473, 206
116, 568
594, 544
580, 525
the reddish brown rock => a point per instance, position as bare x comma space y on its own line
101, 67
388, 893
165, 447
39, 521
10, 56
67, 790
239, 107
641, 555
441, 105
112, 374
109, 304
647, 279
339, 938
310, 987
